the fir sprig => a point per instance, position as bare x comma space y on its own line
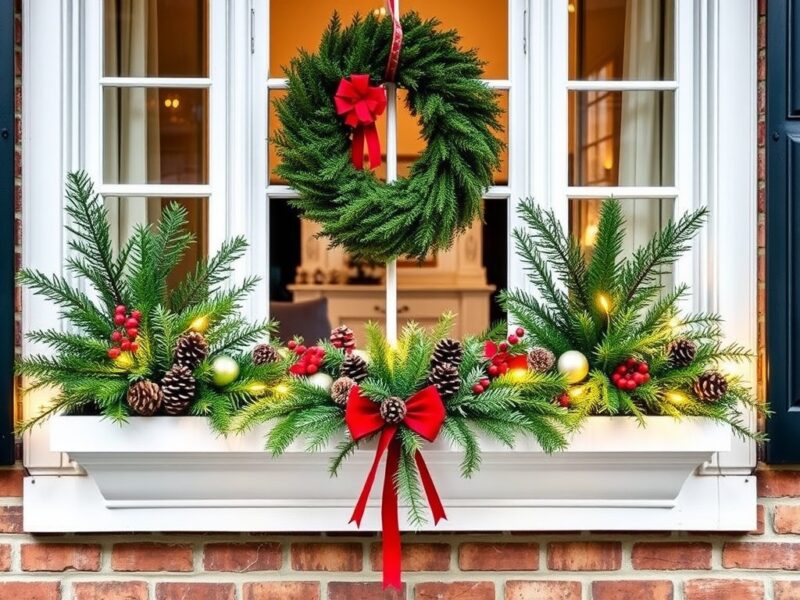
613, 308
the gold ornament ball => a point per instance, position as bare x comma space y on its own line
225, 370
574, 365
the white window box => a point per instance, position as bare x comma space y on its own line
175, 474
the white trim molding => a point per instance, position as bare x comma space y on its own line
614, 475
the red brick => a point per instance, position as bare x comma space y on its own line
282, 590
584, 556
40, 590
148, 556
363, 591
242, 558
760, 520
484, 556
543, 590
60, 557
327, 557
723, 589
787, 590
195, 591
786, 519
459, 590
5, 557
11, 483
776, 484
110, 590
10, 519
415, 557
671, 556
761, 555
632, 590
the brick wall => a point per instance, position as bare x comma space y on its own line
656, 566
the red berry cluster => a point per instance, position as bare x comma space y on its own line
310, 358
631, 374
123, 338
481, 386
563, 400
499, 365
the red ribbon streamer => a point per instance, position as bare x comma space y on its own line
424, 415
361, 103
397, 44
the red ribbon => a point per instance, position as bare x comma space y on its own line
361, 103
424, 415
397, 44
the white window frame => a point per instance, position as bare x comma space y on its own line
716, 154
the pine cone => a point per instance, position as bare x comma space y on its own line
447, 351
711, 386
178, 387
340, 390
263, 354
145, 397
354, 367
445, 379
343, 337
393, 410
681, 352
191, 349
541, 360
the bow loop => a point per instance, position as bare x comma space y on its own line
361, 104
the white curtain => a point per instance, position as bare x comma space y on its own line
131, 133
646, 156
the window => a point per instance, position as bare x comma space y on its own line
642, 113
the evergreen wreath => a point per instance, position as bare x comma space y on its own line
459, 117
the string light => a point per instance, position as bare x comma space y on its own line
604, 302
676, 397
576, 391
200, 324
256, 388
518, 375
281, 389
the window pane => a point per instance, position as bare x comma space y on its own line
156, 38
126, 213
339, 290
155, 135
410, 144
296, 25
481, 25
621, 138
621, 39
643, 218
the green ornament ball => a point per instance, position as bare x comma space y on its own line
225, 370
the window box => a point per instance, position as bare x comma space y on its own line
171, 473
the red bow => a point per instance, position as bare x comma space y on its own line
424, 415
362, 103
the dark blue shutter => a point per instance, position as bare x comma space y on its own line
783, 229
6, 231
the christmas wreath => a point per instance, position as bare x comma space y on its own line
329, 113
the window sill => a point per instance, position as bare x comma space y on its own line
174, 474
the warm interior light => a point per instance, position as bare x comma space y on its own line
570, 8
590, 235
168, 102
176, 103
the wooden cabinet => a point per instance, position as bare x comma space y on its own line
356, 305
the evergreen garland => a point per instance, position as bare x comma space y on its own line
515, 404
459, 117
85, 379
615, 309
